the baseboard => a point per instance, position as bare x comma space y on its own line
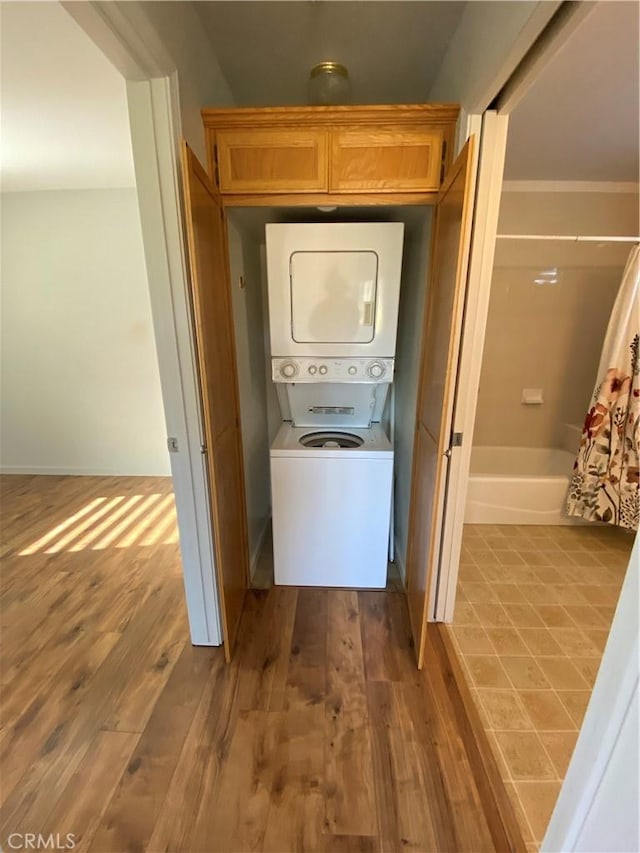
77, 472
398, 559
253, 563
499, 811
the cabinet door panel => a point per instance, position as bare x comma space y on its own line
272, 161
386, 161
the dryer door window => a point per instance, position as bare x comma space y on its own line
333, 297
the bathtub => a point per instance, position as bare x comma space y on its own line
518, 485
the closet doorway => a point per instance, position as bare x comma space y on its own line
449, 247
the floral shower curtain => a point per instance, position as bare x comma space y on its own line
604, 486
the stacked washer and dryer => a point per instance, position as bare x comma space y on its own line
333, 309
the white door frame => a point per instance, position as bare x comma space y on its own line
491, 129
122, 34
153, 106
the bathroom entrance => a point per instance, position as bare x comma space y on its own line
537, 588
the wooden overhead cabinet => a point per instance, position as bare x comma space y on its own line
257, 161
331, 154
386, 160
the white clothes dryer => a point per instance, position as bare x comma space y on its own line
331, 497
334, 289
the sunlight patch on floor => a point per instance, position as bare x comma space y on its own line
148, 523
118, 509
116, 530
48, 537
118, 522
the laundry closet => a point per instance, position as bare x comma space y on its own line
363, 414
329, 240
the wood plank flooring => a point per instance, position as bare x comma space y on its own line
320, 736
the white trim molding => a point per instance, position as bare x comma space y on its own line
123, 33
630, 187
485, 224
488, 45
73, 472
153, 112
566, 20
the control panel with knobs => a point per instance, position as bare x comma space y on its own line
376, 370
307, 369
288, 369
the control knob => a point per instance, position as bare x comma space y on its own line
312, 369
353, 370
376, 370
288, 369
322, 369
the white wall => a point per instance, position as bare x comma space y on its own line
63, 109
80, 383
488, 44
244, 260
200, 79
415, 269
144, 40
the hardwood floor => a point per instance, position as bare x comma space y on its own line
320, 736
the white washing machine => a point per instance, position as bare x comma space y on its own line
331, 493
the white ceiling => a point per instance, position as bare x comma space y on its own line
579, 121
63, 107
392, 49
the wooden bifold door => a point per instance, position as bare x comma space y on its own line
215, 345
442, 328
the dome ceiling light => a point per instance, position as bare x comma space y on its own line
329, 84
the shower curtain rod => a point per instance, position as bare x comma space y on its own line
569, 238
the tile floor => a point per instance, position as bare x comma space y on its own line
533, 612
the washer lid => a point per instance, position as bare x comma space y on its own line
331, 439
374, 443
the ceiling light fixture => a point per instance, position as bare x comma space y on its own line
329, 84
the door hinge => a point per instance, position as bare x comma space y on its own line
442, 161
216, 170
203, 449
456, 441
